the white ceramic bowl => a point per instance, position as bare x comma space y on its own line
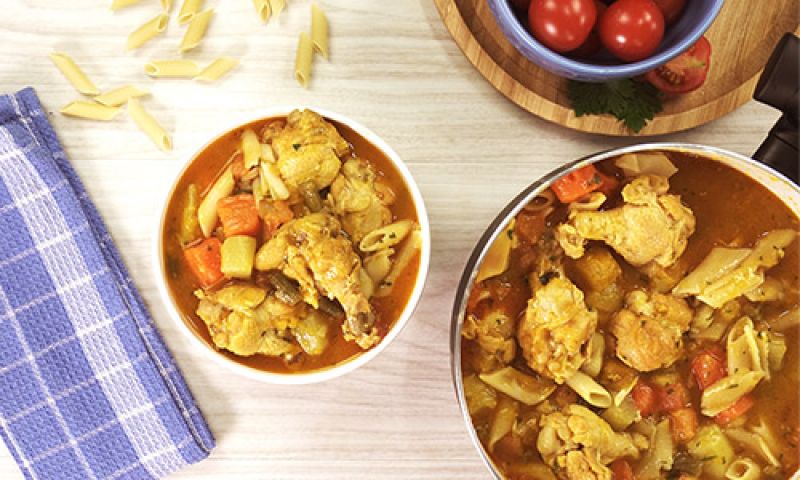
348, 365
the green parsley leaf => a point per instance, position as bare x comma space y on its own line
634, 103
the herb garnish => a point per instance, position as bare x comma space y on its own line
634, 103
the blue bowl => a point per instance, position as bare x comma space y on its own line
694, 21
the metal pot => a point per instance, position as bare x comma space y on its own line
774, 165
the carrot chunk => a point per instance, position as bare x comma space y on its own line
622, 470
239, 215
204, 261
708, 367
646, 398
735, 411
683, 424
575, 185
276, 213
673, 396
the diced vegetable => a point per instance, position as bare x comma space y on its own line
575, 185
481, 398
736, 410
275, 214
708, 367
607, 300
312, 332
310, 196
251, 149
241, 297
597, 269
673, 396
190, 228
239, 215
622, 470
205, 262
519, 386
646, 398
286, 289
713, 448
683, 424
207, 214
504, 417
530, 225
238, 254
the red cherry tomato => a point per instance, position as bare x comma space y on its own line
521, 5
632, 29
684, 73
592, 44
562, 25
671, 9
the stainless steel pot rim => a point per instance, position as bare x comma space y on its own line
509, 211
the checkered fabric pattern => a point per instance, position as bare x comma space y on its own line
87, 388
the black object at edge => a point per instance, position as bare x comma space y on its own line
778, 87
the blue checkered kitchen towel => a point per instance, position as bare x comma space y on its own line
87, 388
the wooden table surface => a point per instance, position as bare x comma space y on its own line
393, 68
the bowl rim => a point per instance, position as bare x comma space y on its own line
514, 206
346, 366
531, 48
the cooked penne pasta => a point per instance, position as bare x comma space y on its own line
148, 31
171, 68
742, 350
593, 201
712, 447
319, 30
725, 392
660, 454
90, 110
302, 62
496, 260
207, 214
67, 66
263, 8
541, 202
166, 5
407, 252
589, 390
387, 236
770, 291
198, 26
622, 416
597, 348
755, 443
277, 6
646, 163
267, 154
277, 188
519, 386
367, 285
743, 469
119, 96
776, 351
505, 415
189, 9
217, 69
251, 149
119, 4
379, 264
149, 125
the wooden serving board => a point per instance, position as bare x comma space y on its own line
742, 38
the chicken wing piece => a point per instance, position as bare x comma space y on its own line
359, 200
578, 444
308, 150
651, 226
315, 251
555, 332
650, 328
250, 329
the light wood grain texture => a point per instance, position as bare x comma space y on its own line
742, 36
395, 69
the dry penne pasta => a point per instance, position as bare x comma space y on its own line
119, 96
217, 69
119, 4
277, 6
189, 9
196, 30
90, 110
172, 68
263, 8
149, 125
589, 390
148, 31
73, 73
386, 237
319, 30
302, 62
251, 149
